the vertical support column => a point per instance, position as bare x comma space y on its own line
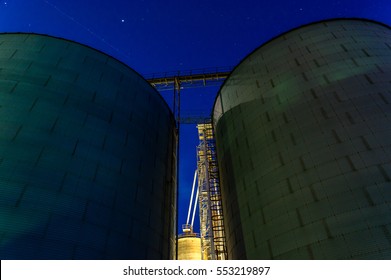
176, 109
211, 211
177, 101
204, 201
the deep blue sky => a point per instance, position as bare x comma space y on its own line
159, 36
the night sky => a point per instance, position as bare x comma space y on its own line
154, 36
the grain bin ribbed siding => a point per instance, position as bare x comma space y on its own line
304, 145
86, 155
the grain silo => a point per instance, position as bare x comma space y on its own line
189, 244
87, 155
304, 145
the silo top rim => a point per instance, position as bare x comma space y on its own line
95, 50
284, 33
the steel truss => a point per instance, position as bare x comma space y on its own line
211, 211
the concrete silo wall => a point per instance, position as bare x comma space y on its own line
87, 152
303, 136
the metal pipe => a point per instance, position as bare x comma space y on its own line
191, 198
195, 206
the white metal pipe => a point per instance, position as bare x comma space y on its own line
195, 207
191, 198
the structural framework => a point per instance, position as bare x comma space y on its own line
209, 198
178, 80
211, 211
